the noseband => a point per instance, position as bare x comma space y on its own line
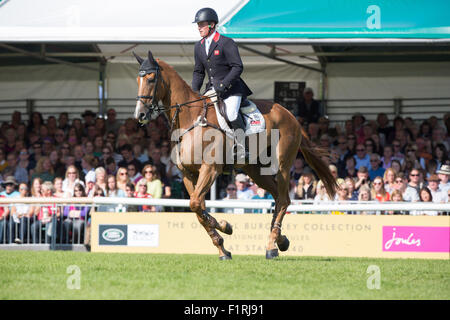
153, 106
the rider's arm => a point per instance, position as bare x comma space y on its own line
233, 57
199, 71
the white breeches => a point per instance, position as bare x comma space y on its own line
232, 104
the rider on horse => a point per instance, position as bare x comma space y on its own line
219, 57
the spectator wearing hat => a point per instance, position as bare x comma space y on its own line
309, 108
243, 191
10, 185
444, 174
433, 186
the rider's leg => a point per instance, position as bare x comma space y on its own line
232, 105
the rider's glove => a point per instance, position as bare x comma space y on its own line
220, 89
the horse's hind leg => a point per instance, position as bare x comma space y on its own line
286, 153
207, 175
268, 183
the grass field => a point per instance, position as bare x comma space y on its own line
45, 275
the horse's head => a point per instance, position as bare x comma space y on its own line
147, 99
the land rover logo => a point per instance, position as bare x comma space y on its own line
113, 234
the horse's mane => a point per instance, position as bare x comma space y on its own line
173, 73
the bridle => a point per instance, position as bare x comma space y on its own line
154, 108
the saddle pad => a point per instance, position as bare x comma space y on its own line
253, 118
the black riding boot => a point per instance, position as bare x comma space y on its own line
240, 148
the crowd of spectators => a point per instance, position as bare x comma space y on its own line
378, 160
86, 157
101, 156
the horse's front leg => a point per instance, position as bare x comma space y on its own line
206, 177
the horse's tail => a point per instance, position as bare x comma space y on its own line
312, 155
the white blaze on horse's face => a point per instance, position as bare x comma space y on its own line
144, 89
139, 105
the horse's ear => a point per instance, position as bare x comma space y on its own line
139, 59
150, 57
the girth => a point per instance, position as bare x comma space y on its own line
201, 121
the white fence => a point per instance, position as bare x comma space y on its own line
266, 206
64, 232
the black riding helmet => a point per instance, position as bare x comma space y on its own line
206, 14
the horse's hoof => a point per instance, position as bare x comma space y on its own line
283, 243
228, 229
271, 254
226, 257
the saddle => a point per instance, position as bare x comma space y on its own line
253, 118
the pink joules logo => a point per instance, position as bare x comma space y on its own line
416, 239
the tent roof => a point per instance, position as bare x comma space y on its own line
103, 21
355, 21
74, 31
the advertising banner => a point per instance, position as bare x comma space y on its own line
309, 235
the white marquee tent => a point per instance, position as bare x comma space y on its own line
116, 28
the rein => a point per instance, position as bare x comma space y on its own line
153, 106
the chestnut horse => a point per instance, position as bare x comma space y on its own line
192, 114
